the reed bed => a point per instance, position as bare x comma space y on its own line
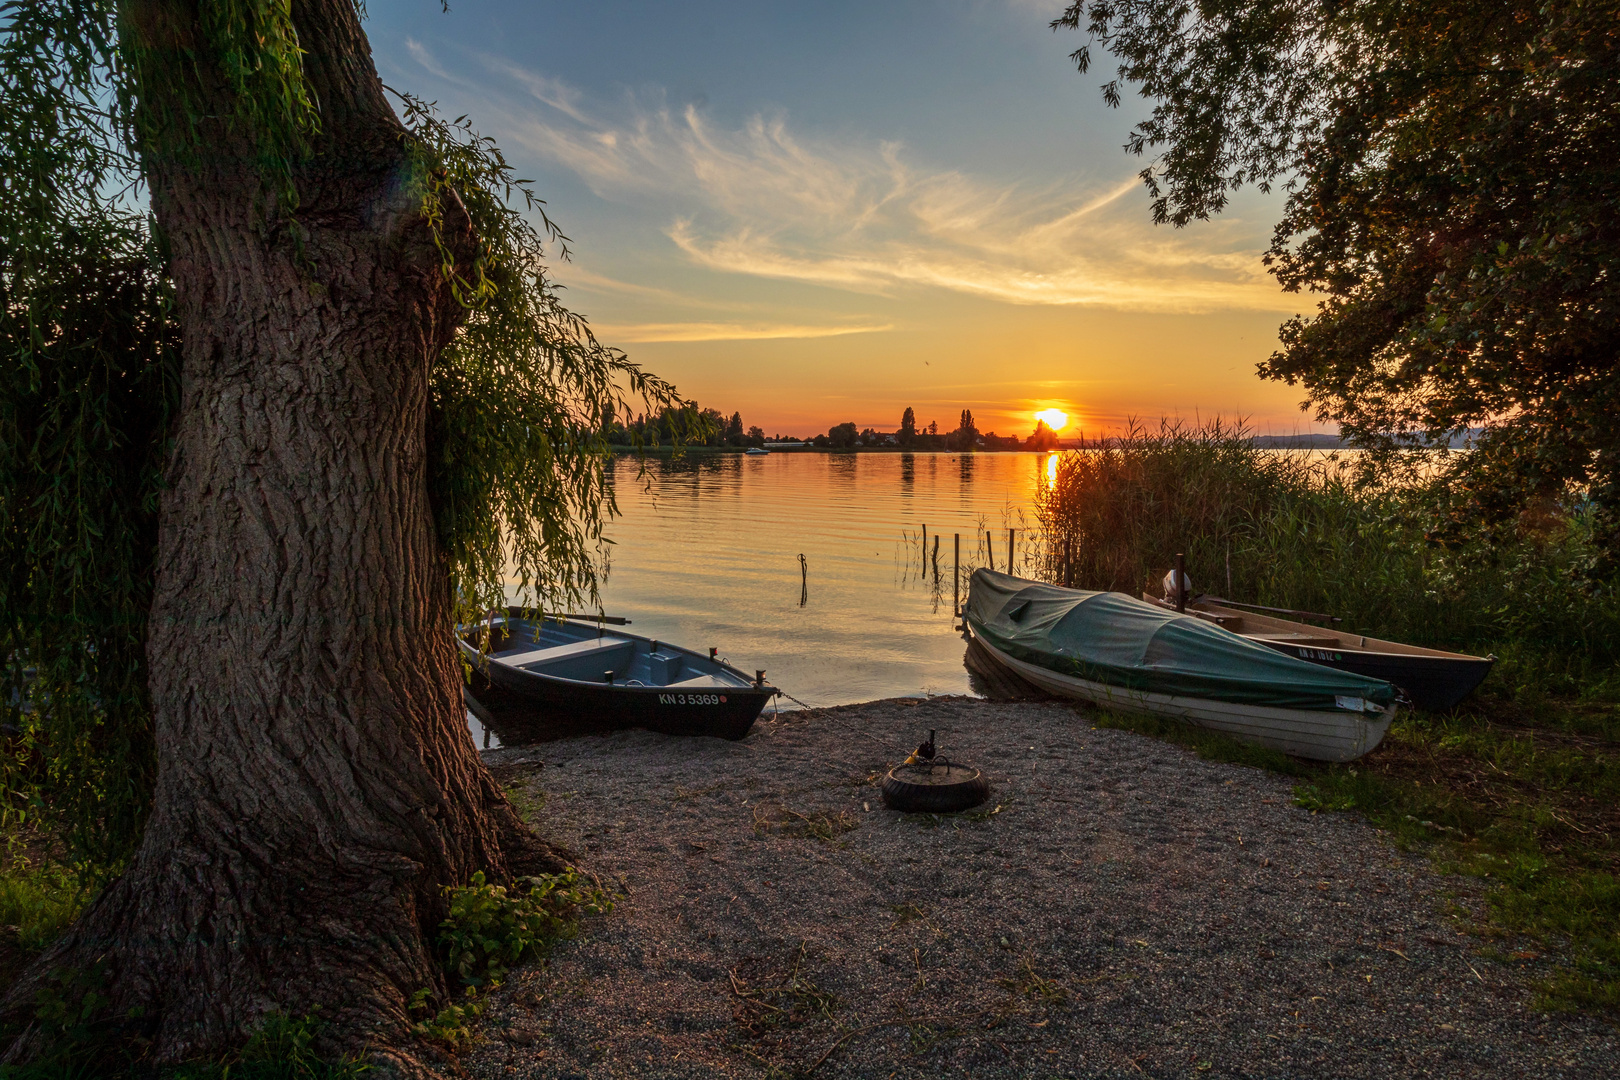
1320, 533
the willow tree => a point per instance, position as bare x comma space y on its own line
1453, 169
286, 388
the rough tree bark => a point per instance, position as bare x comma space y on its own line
316, 784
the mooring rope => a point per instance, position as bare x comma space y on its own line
840, 723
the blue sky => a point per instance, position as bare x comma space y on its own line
823, 212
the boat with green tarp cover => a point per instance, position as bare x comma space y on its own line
1123, 653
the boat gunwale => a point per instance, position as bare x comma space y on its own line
1396, 648
478, 656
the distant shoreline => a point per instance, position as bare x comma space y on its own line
1262, 442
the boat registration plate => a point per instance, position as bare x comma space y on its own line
691, 699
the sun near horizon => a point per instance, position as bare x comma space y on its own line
1056, 419
809, 251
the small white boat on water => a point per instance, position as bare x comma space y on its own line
756, 451
1121, 653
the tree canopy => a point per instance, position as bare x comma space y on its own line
1452, 171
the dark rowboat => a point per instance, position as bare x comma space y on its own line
1430, 678
542, 678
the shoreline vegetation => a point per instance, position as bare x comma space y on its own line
1519, 786
1517, 791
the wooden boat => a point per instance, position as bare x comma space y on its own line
1128, 654
544, 678
1430, 678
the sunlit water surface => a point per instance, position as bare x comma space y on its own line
706, 553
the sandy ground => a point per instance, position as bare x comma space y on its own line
1126, 910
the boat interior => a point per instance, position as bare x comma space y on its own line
582, 652
1269, 628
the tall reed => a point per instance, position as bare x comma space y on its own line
1303, 530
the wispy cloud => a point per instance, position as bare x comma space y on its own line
716, 331
762, 201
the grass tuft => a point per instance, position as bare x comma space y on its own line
41, 902
823, 825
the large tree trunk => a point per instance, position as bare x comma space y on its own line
317, 786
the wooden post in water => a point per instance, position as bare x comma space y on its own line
1181, 581
925, 545
956, 578
1010, 549
936, 557
990, 548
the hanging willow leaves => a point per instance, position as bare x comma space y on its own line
520, 481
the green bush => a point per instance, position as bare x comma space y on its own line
490, 929
41, 902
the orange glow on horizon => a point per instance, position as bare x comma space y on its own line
1056, 419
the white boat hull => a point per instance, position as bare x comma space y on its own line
1340, 735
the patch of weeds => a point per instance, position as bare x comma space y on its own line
527, 801
1031, 984
490, 929
41, 902
283, 1048
682, 793
923, 1038
823, 825
1532, 811
904, 913
977, 816
451, 1026
1517, 788
1209, 745
791, 998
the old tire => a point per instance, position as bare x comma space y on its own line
934, 789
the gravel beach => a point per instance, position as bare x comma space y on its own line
1119, 908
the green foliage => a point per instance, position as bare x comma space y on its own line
86, 397
41, 902
520, 478
282, 1049
90, 387
1310, 533
249, 46
452, 1026
489, 928
1454, 169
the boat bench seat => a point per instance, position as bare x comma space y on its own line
1315, 641
702, 682
604, 647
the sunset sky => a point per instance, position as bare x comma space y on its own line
814, 213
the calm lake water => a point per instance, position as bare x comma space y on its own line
706, 553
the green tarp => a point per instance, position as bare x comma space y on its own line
1111, 638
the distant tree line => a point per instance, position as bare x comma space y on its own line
692, 425
697, 426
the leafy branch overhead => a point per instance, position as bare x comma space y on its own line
1452, 170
